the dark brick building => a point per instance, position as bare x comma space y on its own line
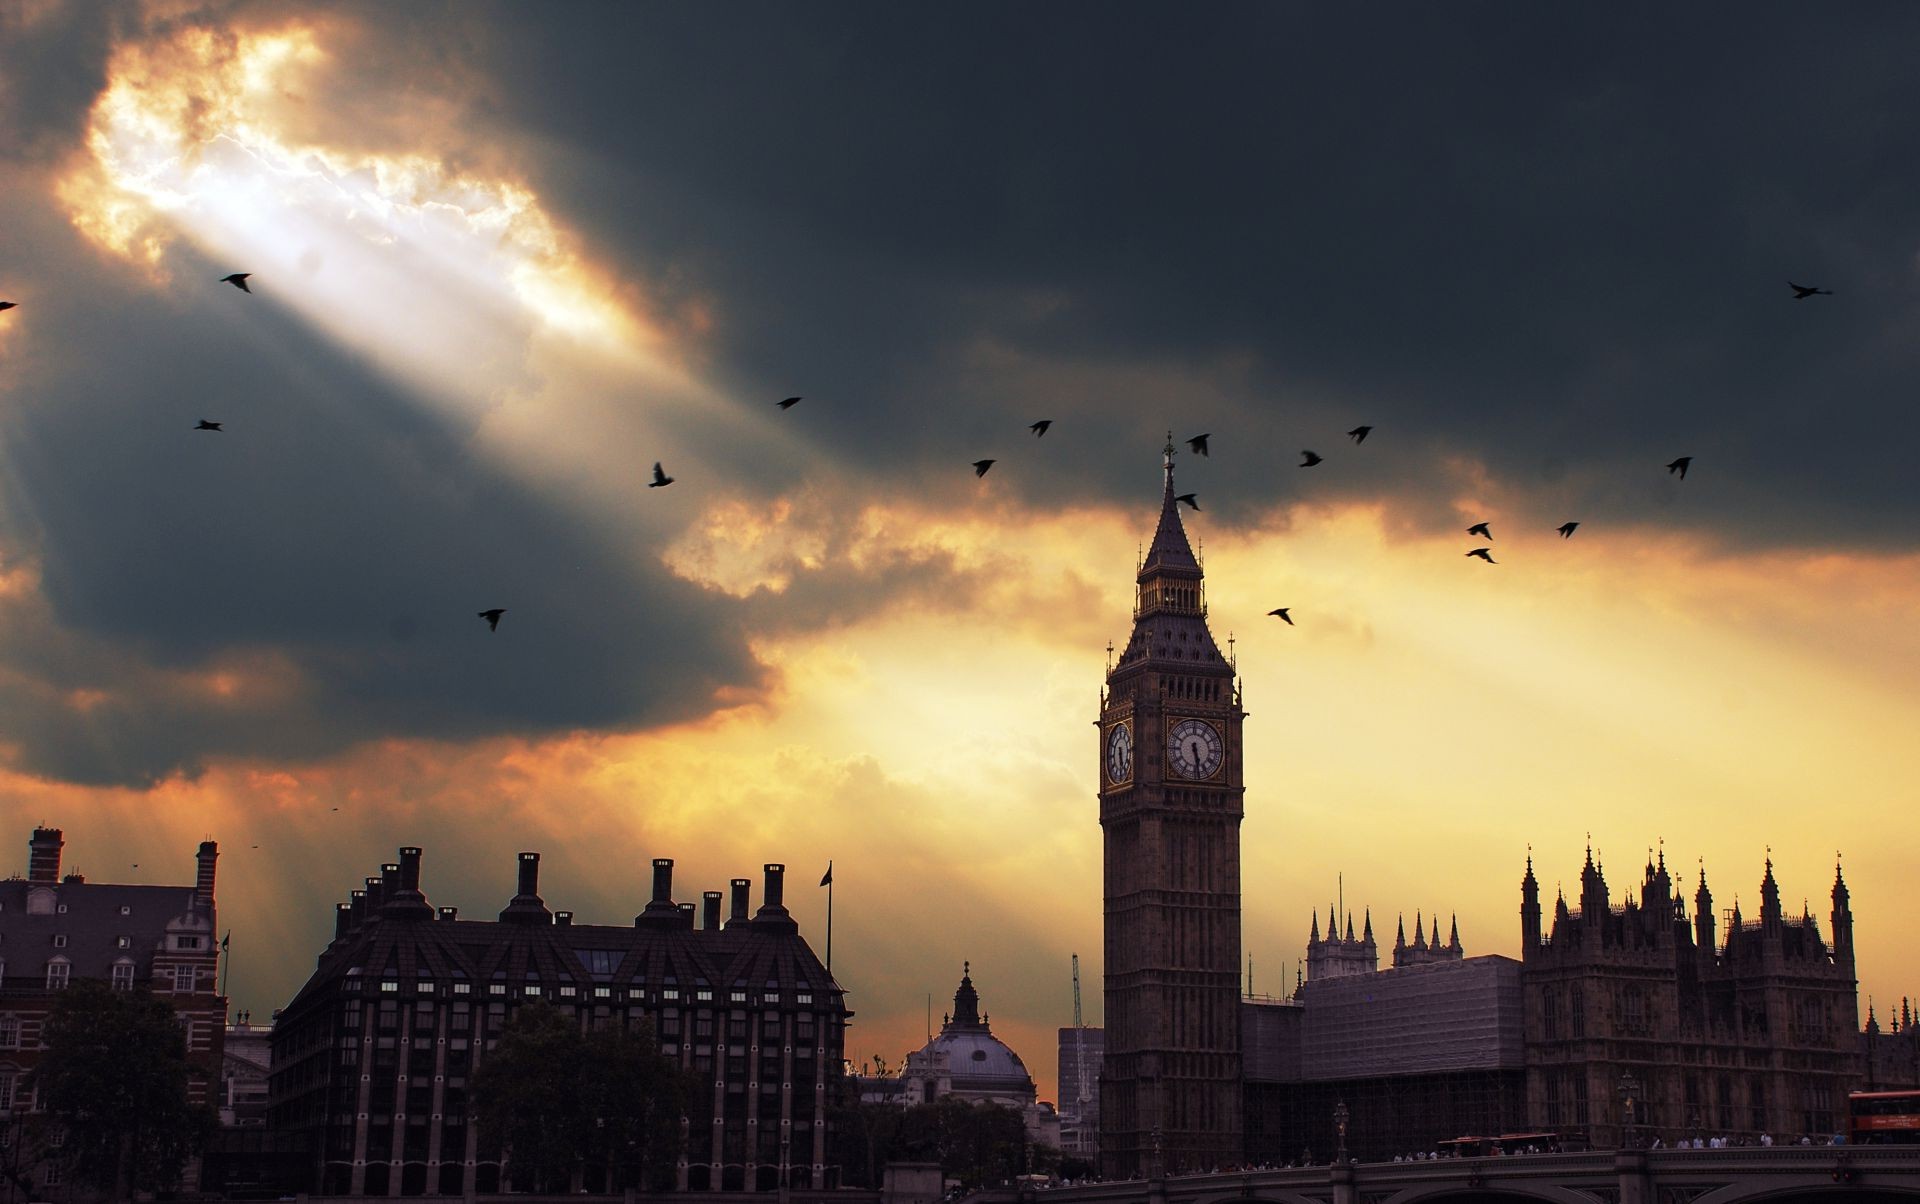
372, 1059
56, 930
1748, 1032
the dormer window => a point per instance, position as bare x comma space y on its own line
125, 910
186, 942
57, 971
123, 975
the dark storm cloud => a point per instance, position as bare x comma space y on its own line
1556, 241
334, 540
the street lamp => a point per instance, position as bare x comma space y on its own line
1340, 1117
1629, 1092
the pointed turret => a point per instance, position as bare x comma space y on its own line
1349, 925
1772, 920
1419, 933
1366, 935
1453, 935
1703, 916
1842, 917
1400, 939
1313, 938
1529, 912
966, 1000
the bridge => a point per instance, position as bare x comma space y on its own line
1777, 1174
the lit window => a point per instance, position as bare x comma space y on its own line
389, 985
603, 992
532, 989
57, 975
804, 999
739, 996
498, 988
125, 910
566, 992
703, 996
462, 988
123, 976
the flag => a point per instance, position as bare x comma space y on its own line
225, 939
826, 879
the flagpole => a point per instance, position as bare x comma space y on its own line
226, 958
826, 880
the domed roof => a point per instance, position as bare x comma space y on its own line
976, 1060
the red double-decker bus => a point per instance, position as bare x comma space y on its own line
1884, 1117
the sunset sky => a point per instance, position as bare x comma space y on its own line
506, 256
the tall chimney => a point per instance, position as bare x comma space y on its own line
203, 880
563, 919
404, 900
686, 916
742, 888
663, 879
527, 906
357, 906
710, 915
389, 879
376, 895
410, 868
342, 919
773, 913
43, 855
449, 913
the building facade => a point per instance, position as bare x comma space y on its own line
1081, 1051
58, 929
372, 1059
1643, 1025
1171, 800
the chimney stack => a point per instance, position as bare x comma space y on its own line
203, 880
376, 895
449, 913
357, 906
772, 913
43, 855
527, 906
563, 919
686, 916
410, 868
710, 917
342, 919
404, 899
742, 887
663, 879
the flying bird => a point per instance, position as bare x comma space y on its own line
207, 426
8, 304
1481, 529
1566, 529
1282, 613
1680, 466
1485, 554
1188, 498
493, 624
1308, 459
238, 280
980, 467
1801, 292
788, 404
1040, 428
1199, 442
660, 477
1359, 433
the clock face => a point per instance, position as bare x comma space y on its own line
1119, 753
1194, 749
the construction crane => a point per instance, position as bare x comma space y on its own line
1083, 1097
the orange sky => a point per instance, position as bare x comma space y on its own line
1427, 721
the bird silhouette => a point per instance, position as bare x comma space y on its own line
1199, 442
8, 304
1680, 466
1481, 529
660, 477
1040, 428
980, 467
1801, 291
207, 426
1485, 554
1308, 458
238, 280
788, 404
493, 622
1566, 529
1188, 499
1359, 433
1284, 616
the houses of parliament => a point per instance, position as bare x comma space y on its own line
1621, 1021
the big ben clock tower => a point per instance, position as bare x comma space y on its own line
1170, 806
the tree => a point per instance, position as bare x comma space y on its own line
113, 1079
562, 1103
